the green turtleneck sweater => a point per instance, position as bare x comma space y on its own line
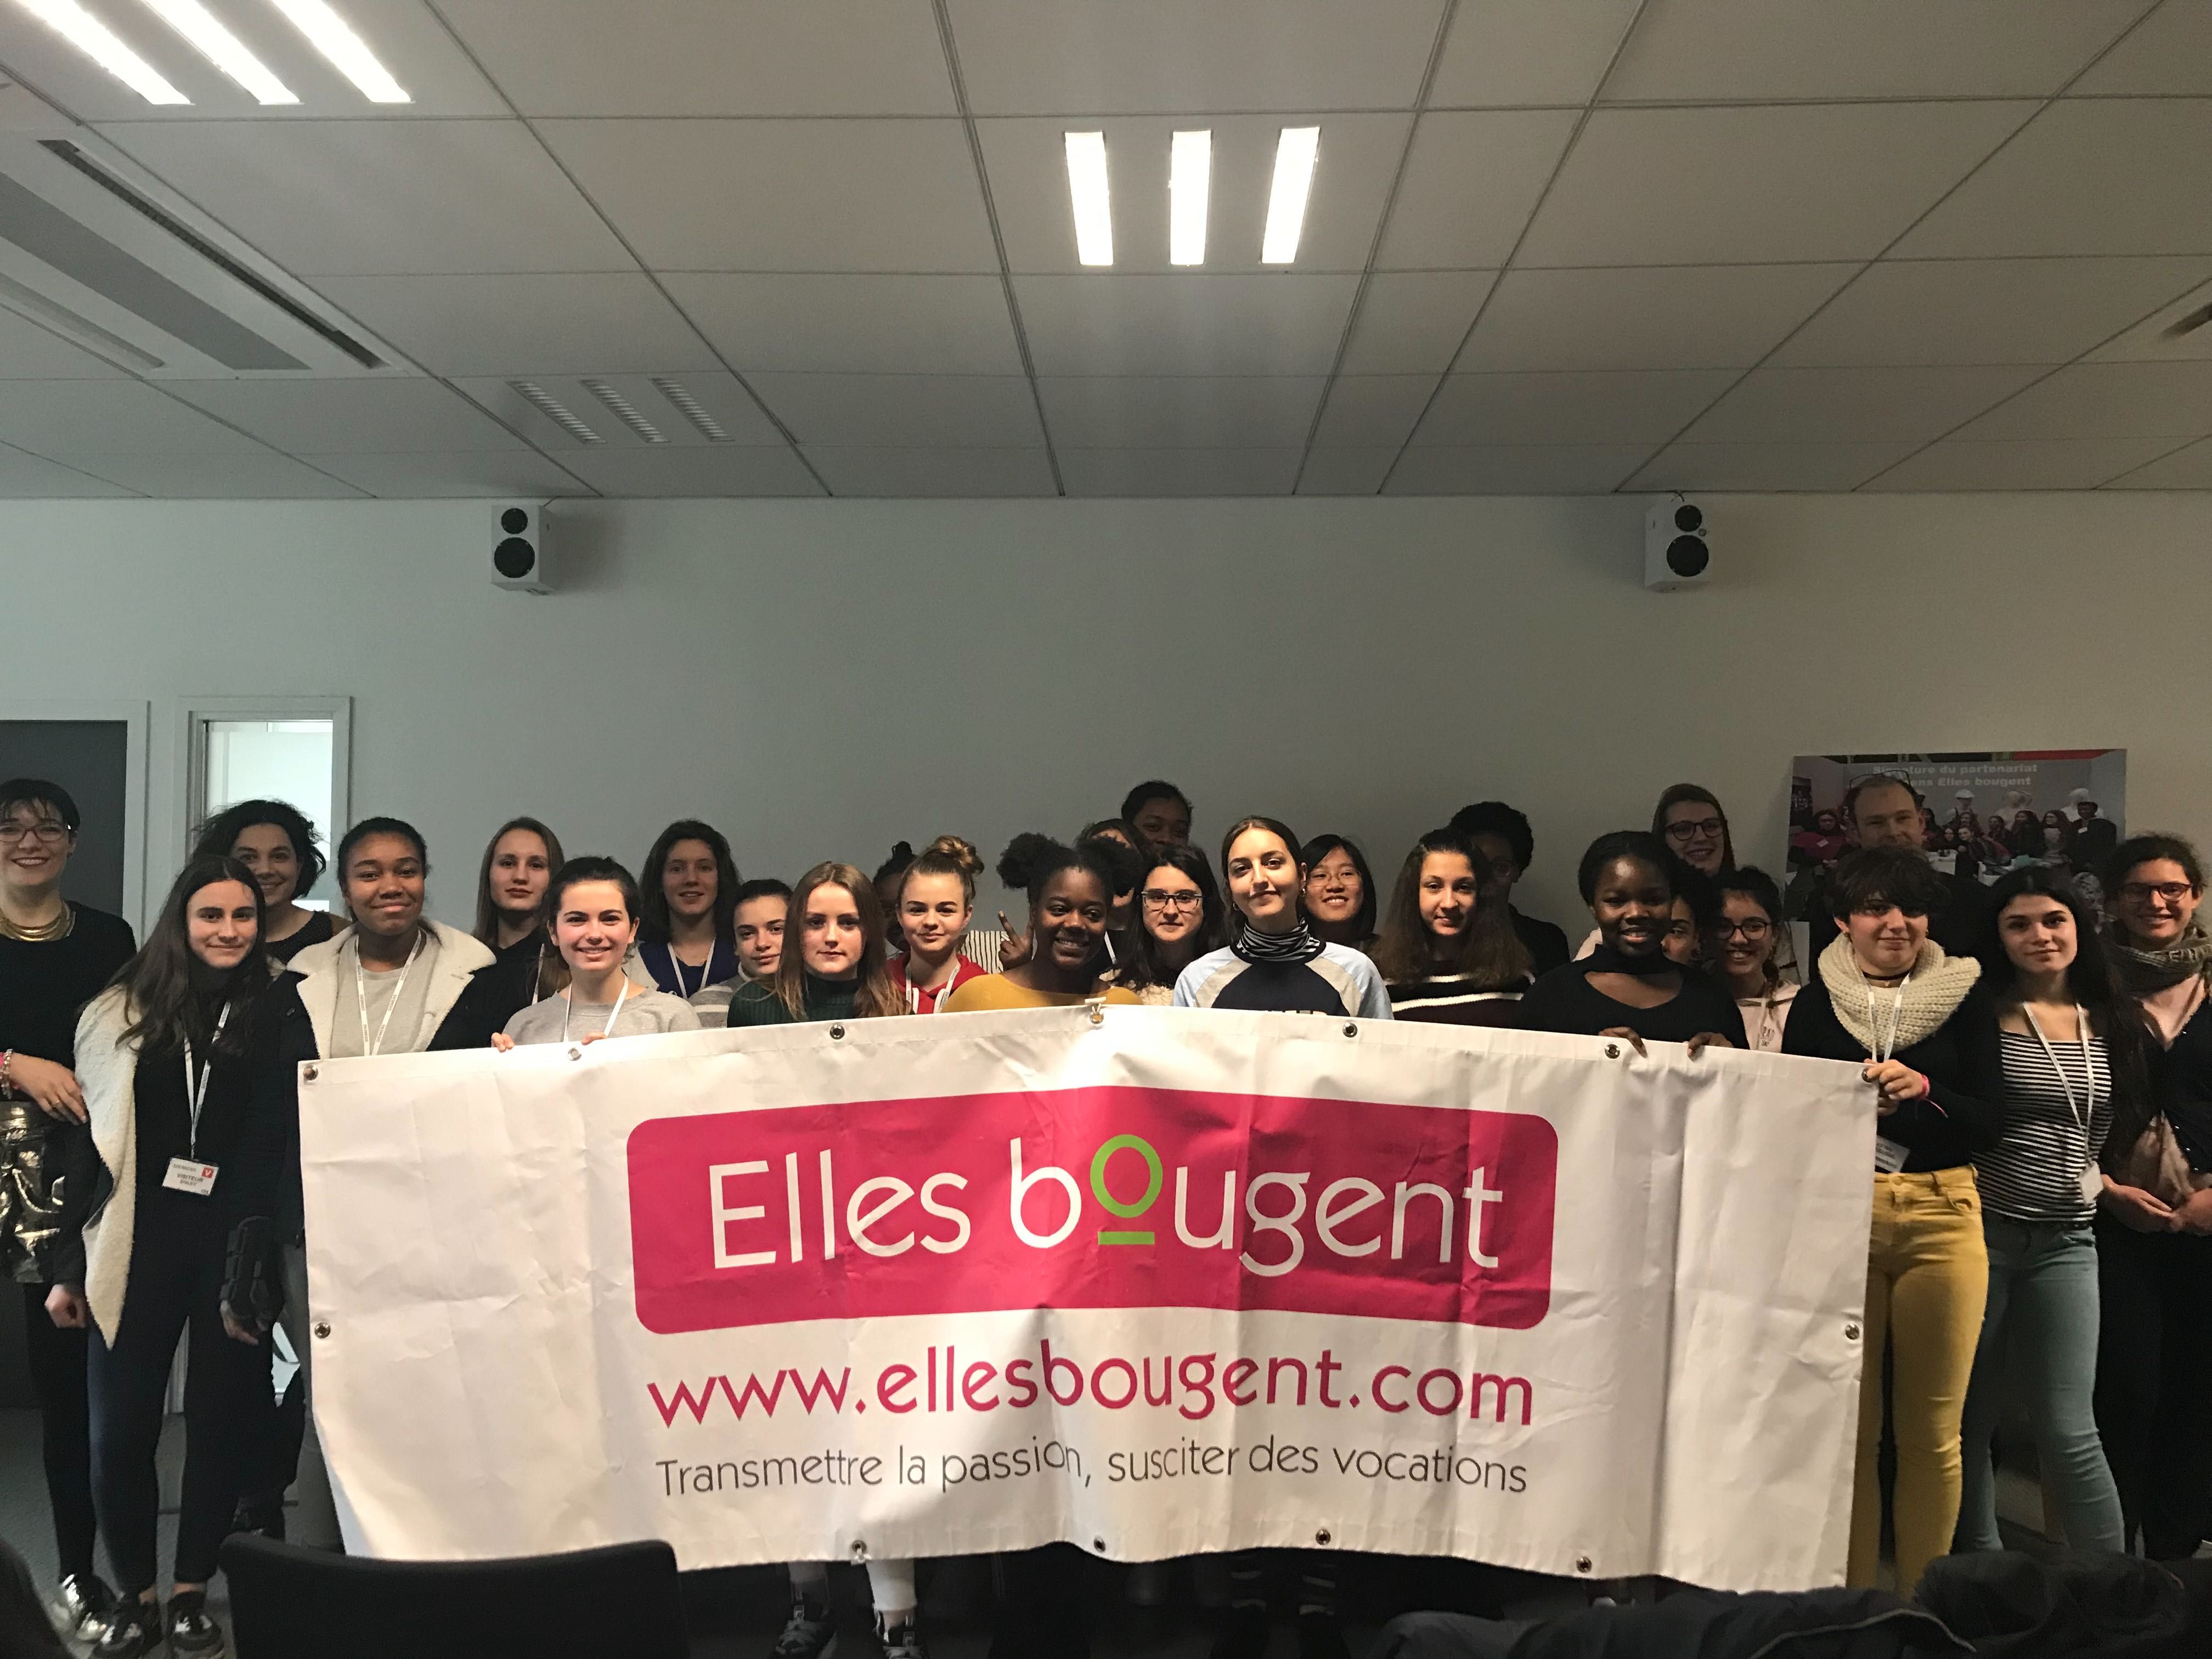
757, 1004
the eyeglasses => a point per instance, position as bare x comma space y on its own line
2131, 892
1690, 829
1160, 899
1753, 929
49, 830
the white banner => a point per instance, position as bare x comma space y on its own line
1156, 1281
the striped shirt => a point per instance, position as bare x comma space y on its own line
2033, 1173
1455, 1000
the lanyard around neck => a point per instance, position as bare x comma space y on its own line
1873, 1022
196, 1088
361, 996
2082, 1114
569, 1002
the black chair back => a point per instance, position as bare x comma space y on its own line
293, 1603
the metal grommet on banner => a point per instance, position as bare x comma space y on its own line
575, 1054
322, 1327
311, 1072
1097, 1015
860, 1550
1322, 1537
837, 1035
1352, 1028
1583, 1564
1852, 1331
1612, 1051
1098, 1547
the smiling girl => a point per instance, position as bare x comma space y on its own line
1448, 956
1179, 918
686, 934
593, 908
1071, 893
936, 899
274, 840
1276, 962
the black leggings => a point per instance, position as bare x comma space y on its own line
2154, 1382
176, 1283
58, 1360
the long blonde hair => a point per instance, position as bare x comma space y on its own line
874, 998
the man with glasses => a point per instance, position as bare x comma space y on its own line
55, 956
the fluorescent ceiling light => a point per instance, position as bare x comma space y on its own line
1190, 166
224, 49
333, 37
1296, 151
1086, 188
98, 42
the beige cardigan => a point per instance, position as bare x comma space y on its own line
107, 1072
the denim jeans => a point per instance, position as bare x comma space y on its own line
2038, 1349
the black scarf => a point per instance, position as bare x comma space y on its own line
1604, 959
1297, 945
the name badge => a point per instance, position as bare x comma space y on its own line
187, 1176
2092, 1183
1889, 1155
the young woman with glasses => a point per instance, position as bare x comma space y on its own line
1745, 934
1180, 917
1339, 897
1689, 819
2154, 1228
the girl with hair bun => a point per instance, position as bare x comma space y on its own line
935, 897
1071, 892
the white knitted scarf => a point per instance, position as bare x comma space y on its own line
1932, 992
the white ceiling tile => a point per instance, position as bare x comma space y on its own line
2086, 176
518, 403
1646, 317
28, 352
116, 416
709, 57
947, 411
245, 477
1028, 164
2107, 400
1854, 405
2049, 464
2187, 468
452, 475
406, 36
606, 323
1346, 472
33, 477
1411, 322
854, 324
969, 473
2180, 330
692, 473
1986, 311
347, 197
1767, 468
1515, 470
1137, 56
783, 195
1472, 179
337, 418
1110, 324
1193, 411
2170, 52
1506, 53
1645, 406
1750, 184
1716, 51
1373, 411
1178, 471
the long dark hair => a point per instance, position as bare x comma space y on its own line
1675, 795
165, 987
652, 925
1489, 950
2089, 981
873, 997
221, 833
487, 913
1363, 919
1141, 963
1755, 884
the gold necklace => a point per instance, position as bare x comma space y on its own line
41, 932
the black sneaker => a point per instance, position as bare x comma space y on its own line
1242, 1635
134, 1629
263, 1516
809, 1633
193, 1632
1319, 1636
80, 1607
902, 1640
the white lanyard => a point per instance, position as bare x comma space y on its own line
196, 1090
361, 996
2082, 1113
915, 993
1896, 1025
570, 1001
676, 965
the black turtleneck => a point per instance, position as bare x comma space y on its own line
1565, 1001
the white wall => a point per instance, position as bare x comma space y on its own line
822, 677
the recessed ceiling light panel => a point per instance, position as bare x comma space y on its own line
1086, 189
1295, 152
333, 37
224, 49
1190, 169
99, 43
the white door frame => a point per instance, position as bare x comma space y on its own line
189, 717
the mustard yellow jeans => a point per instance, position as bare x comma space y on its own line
1928, 1274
